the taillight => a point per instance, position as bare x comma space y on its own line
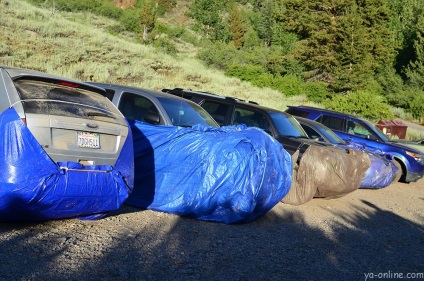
68, 84
24, 120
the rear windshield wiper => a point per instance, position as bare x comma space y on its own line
99, 114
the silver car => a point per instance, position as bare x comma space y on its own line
71, 120
156, 108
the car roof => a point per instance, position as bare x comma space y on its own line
229, 99
133, 89
308, 121
317, 109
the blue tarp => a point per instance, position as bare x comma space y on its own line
230, 174
34, 188
382, 171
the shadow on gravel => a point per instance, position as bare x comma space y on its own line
275, 247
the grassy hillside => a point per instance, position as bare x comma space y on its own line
78, 46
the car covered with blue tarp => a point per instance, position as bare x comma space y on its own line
35, 188
66, 149
230, 174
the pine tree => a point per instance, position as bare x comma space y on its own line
343, 42
415, 69
147, 18
237, 27
207, 14
266, 23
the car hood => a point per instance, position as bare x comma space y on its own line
405, 147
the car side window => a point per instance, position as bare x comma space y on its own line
218, 111
332, 122
250, 118
135, 107
358, 129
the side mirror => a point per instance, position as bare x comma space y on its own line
371, 137
152, 118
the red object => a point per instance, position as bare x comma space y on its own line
392, 127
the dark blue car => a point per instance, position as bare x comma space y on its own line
358, 130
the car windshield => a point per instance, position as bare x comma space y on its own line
287, 126
332, 137
377, 131
186, 114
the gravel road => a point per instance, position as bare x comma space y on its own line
379, 232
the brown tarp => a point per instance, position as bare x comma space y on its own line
328, 172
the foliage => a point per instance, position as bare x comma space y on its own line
130, 20
165, 6
266, 23
316, 91
101, 7
315, 48
362, 103
245, 72
171, 31
341, 42
237, 27
289, 85
219, 55
283, 65
415, 69
207, 14
406, 15
147, 17
251, 39
416, 105
164, 44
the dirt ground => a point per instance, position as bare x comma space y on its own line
365, 235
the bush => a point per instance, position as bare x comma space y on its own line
316, 91
416, 105
130, 20
289, 85
219, 55
165, 45
172, 32
245, 72
362, 103
100, 7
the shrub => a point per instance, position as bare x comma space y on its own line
130, 20
219, 55
416, 105
362, 103
245, 72
316, 91
289, 85
165, 45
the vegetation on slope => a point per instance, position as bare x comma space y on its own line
351, 59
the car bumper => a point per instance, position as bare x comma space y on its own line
413, 177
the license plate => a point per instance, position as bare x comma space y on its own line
88, 140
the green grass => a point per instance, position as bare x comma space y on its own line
80, 46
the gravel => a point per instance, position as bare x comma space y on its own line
379, 232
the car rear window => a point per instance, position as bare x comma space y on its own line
43, 97
332, 122
297, 112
